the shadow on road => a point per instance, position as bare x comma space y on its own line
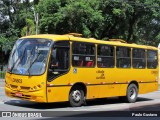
28, 104
145, 110
104, 101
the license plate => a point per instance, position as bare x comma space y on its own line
18, 94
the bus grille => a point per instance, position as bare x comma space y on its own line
19, 88
22, 97
14, 87
24, 88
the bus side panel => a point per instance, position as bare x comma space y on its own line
147, 87
109, 90
58, 94
123, 90
92, 92
149, 83
86, 76
116, 80
60, 88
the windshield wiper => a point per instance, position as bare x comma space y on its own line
19, 59
33, 63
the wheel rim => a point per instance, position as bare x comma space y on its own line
132, 93
76, 95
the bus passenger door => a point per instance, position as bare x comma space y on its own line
57, 72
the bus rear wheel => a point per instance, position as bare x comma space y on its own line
132, 93
76, 97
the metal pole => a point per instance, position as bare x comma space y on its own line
36, 17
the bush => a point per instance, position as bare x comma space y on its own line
2, 74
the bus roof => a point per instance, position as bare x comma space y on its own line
69, 37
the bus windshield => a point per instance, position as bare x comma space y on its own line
29, 56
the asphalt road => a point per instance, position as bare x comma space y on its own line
100, 107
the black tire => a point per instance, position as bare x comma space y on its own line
76, 97
132, 93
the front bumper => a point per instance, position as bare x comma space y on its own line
35, 96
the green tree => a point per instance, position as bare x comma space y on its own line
134, 21
70, 16
13, 18
29, 29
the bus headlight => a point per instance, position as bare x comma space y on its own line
39, 86
35, 88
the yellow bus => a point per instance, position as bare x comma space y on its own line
56, 68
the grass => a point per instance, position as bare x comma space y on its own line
2, 74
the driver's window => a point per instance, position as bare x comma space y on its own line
59, 59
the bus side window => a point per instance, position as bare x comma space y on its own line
123, 57
80, 63
138, 58
90, 64
105, 56
83, 54
152, 59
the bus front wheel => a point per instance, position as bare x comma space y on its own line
132, 93
76, 97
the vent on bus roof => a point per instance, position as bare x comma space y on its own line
118, 40
75, 34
